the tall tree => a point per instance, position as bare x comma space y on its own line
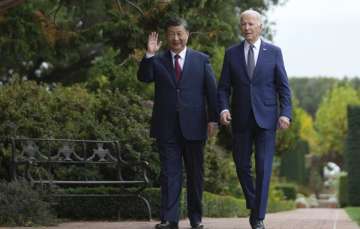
331, 120
310, 91
59, 40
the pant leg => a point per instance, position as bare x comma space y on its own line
170, 179
264, 153
194, 164
242, 151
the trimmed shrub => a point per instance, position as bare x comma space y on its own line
95, 208
278, 206
223, 206
352, 155
289, 190
20, 205
343, 189
132, 208
293, 163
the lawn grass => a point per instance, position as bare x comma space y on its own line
354, 213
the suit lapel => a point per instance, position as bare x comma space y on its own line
242, 59
167, 61
260, 58
186, 67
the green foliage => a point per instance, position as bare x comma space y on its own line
74, 112
286, 140
352, 156
310, 91
71, 34
220, 175
125, 208
20, 205
105, 207
354, 214
289, 190
331, 119
343, 191
293, 163
223, 206
21, 38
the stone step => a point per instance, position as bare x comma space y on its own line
329, 203
325, 196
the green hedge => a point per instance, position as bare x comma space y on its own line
343, 189
352, 155
293, 163
126, 208
20, 205
289, 190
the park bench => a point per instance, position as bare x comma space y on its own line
42, 161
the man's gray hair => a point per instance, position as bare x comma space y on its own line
253, 13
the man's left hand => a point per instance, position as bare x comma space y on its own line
212, 129
283, 123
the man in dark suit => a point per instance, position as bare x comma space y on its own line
254, 76
184, 114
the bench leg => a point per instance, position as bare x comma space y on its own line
147, 204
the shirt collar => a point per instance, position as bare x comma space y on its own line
182, 54
256, 44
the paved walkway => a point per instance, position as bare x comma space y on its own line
315, 218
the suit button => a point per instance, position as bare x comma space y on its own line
178, 90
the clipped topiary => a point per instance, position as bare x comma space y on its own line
352, 155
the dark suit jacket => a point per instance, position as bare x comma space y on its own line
189, 104
267, 93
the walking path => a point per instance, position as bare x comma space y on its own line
313, 218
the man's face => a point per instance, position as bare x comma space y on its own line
250, 27
177, 38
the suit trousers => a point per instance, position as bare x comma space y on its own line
173, 152
255, 191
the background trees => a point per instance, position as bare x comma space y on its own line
68, 70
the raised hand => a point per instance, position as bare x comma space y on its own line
153, 44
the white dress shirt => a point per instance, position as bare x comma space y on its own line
182, 55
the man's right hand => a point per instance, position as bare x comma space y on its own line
225, 118
153, 44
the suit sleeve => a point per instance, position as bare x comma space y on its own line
224, 88
283, 87
146, 70
210, 88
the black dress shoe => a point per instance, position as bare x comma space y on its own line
167, 225
257, 224
198, 226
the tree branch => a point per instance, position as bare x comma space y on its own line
135, 6
6, 4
